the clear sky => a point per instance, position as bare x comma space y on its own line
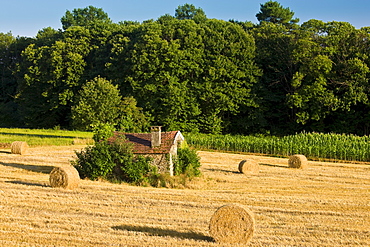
27, 17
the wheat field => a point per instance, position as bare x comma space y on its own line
327, 204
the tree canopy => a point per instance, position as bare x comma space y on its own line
273, 12
84, 17
188, 72
97, 103
190, 12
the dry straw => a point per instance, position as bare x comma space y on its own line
297, 161
65, 177
18, 147
232, 223
249, 167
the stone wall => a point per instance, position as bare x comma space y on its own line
163, 162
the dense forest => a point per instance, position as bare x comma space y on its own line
189, 72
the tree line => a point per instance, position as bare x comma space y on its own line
188, 72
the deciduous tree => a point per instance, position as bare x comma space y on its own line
98, 102
84, 17
51, 78
190, 12
189, 76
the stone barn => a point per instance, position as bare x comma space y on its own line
160, 146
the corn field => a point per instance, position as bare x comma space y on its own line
312, 145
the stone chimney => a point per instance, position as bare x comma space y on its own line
156, 136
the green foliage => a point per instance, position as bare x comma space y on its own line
130, 168
97, 104
190, 12
10, 55
102, 131
275, 46
7, 86
95, 161
157, 70
9, 115
187, 75
187, 72
84, 17
273, 12
331, 76
51, 76
131, 118
187, 162
114, 161
313, 145
140, 171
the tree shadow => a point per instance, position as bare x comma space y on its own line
40, 169
281, 166
155, 231
222, 170
28, 183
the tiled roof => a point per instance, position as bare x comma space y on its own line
142, 142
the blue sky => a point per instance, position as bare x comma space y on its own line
27, 17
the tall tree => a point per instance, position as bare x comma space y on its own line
275, 56
8, 83
131, 118
273, 12
59, 62
276, 40
10, 56
6, 61
84, 17
190, 12
229, 74
97, 103
152, 63
47, 36
189, 76
332, 80
51, 78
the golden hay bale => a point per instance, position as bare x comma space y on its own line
18, 147
232, 223
249, 167
65, 177
297, 161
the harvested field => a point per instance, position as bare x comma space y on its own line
327, 204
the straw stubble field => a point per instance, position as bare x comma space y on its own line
327, 204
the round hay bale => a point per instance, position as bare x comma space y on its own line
232, 223
297, 161
249, 167
18, 147
66, 177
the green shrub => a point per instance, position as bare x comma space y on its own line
114, 161
102, 131
95, 161
139, 171
187, 162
